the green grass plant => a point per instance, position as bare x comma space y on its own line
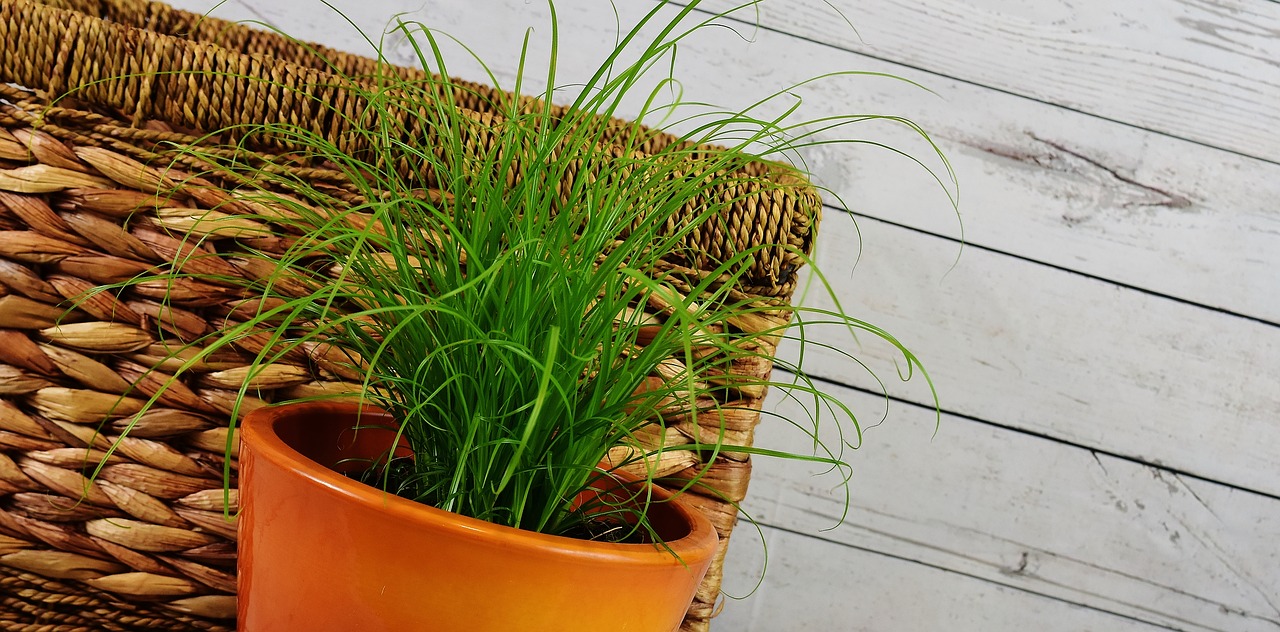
493, 296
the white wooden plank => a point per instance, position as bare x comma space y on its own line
814, 585
1205, 70
1029, 513
1038, 181
1036, 348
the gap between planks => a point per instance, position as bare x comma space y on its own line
852, 589
907, 560
1086, 361
1153, 119
900, 401
963, 244
1054, 519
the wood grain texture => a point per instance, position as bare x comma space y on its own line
1205, 70
1056, 187
1029, 513
1027, 346
813, 585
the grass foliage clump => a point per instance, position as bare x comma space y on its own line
508, 284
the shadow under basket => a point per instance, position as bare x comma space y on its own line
144, 544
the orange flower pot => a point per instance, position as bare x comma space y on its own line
319, 551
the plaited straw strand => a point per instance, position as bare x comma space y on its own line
160, 18
88, 198
36, 602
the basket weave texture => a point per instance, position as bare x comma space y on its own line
91, 194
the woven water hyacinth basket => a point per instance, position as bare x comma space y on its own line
92, 193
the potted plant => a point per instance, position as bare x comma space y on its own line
520, 300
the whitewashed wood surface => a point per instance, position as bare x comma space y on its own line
816, 586
1029, 346
1204, 70
1028, 513
1107, 341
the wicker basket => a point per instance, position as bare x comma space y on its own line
144, 545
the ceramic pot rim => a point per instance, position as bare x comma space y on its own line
260, 436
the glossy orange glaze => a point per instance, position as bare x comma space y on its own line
321, 552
